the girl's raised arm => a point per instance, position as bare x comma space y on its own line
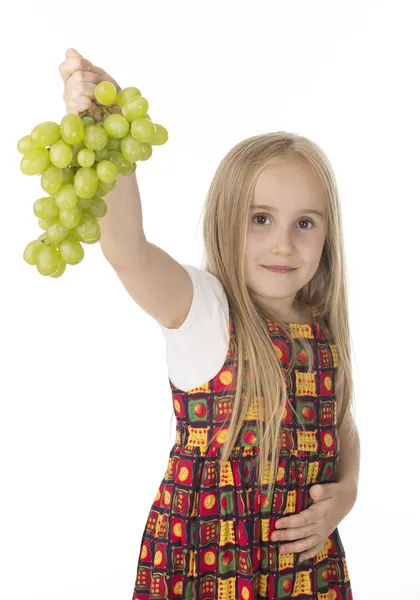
157, 282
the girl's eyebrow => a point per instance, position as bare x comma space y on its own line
303, 210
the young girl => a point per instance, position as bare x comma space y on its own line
258, 353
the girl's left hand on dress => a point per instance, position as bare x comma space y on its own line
331, 503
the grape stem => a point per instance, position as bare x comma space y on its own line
107, 112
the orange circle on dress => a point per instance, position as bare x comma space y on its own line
209, 558
328, 440
226, 377
177, 529
183, 474
178, 588
158, 558
328, 383
209, 502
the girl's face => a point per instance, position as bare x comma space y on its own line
284, 232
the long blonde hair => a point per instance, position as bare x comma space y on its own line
226, 217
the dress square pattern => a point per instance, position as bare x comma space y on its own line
208, 533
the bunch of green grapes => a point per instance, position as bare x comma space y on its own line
78, 162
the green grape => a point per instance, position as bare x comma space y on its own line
72, 129
60, 270
132, 169
123, 165
61, 154
35, 161
93, 240
43, 224
146, 152
116, 126
66, 197
102, 154
104, 188
87, 121
71, 251
98, 207
88, 229
126, 94
105, 93
45, 134
25, 144
31, 251
86, 182
86, 157
143, 130
47, 260
131, 148
107, 171
45, 208
84, 203
79, 162
52, 179
161, 135
113, 144
73, 235
135, 108
56, 232
95, 137
76, 149
68, 175
70, 217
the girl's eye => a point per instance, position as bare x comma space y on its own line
300, 221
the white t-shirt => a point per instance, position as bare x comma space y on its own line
196, 351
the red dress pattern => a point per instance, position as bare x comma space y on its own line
208, 534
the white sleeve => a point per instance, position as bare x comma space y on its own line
195, 352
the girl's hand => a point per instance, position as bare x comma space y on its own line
311, 527
80, 78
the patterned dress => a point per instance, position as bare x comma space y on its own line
208, 534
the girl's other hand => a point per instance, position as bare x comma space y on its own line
80, 78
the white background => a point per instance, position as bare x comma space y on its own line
86, 410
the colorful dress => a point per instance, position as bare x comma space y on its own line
208, 534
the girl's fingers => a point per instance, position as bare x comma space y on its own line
71, 65
103, 76
81, 97
80, 88
80, 78
76, 106
89, 76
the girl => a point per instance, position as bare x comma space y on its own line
258, 353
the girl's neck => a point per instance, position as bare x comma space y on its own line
301, 316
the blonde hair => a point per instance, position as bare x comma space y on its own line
226, 217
